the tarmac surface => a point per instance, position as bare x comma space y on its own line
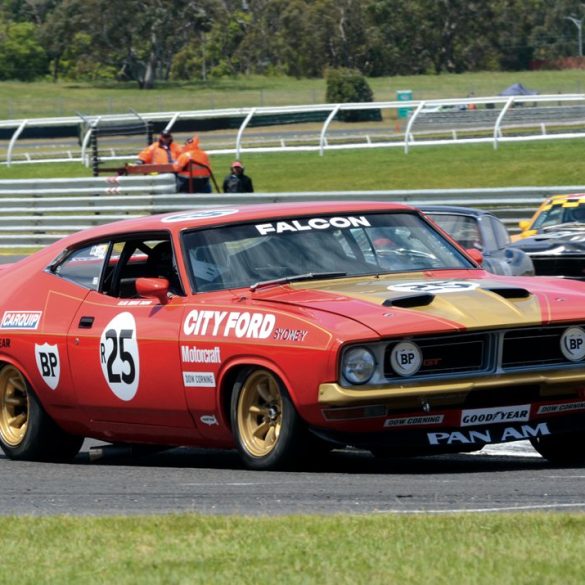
501, 478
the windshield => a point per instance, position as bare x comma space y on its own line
462, 228
559, 214
243, 255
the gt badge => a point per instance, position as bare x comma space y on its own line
47, 357
119, 356
573, 344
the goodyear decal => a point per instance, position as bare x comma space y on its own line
21, 319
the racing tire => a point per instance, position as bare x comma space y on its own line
268, 432
563, 449
26, 431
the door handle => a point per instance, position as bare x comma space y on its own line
86, 322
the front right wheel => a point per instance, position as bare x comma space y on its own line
269, 433
563, 449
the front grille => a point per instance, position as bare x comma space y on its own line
450, 354
525, 348
572, 267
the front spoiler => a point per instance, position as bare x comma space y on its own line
429, 441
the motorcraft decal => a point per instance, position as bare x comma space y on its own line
48, 363
435, 287
229, 324
313, 223
119, 356
21, 320
483, 436
196, 355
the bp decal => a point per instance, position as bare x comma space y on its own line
406, 358
119, 356
48, 363
434, 288
573, 344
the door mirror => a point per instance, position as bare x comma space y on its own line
475, 255
153, 288
524, 224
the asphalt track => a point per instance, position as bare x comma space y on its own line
501, 478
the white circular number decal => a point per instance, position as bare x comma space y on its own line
211, 213
443, 286
573, 344
119, 356
406, 358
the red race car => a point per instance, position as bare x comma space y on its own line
281, 330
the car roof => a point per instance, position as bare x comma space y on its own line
454, 209
578, 198
221, 215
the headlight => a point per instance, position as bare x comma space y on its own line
358, 365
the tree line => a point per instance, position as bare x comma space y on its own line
146, 41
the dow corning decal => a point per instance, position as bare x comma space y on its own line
119, 356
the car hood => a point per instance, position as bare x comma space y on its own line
555, 242
419, 303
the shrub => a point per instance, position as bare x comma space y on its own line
349, 86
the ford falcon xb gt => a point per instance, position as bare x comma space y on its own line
282, 330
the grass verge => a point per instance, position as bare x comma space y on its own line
505, 549
425, 167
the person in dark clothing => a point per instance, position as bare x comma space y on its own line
237, 181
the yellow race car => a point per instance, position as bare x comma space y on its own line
554, 211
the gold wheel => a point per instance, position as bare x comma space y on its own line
14, 406
259, 413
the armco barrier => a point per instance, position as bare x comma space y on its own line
36, 213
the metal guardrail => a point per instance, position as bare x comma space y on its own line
36, 213
494, 120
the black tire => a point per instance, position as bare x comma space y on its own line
563, 449
26, 431
268, 432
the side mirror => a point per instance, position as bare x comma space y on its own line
153, 288
475, 255
524, 224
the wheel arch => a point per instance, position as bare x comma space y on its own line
234, 370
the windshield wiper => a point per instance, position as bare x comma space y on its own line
295, 278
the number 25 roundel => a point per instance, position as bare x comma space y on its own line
119, 356
48, 363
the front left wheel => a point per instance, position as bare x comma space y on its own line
26, 431
268, 431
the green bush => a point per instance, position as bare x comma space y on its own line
350, 86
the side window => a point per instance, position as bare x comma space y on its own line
84, 266
138, 258
501, 233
